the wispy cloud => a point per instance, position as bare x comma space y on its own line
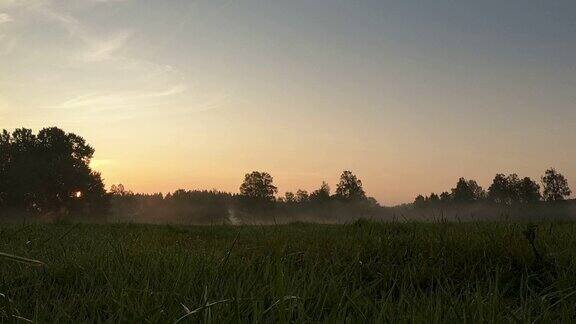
177, 89
160, 80
97, 48
101, 50
116, 100
5, 18
98, 68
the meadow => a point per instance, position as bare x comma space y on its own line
304, 273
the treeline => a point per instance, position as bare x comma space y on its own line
48, 175
505, 190
256, 203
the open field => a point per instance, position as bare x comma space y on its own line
403, 272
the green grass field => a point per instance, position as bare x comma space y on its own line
362, 272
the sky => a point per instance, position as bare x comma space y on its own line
408, 94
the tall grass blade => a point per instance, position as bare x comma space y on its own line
19, 259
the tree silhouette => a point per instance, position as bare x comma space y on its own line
555, 186
322, 194
508, 190
420, 201
302, 196
48, 172
258, 185
350, 188
504, 189
467, 191
498, 192
120, 191
289, 197
5, 157
477, 192
445, 197
528, 191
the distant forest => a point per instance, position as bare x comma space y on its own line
47, 176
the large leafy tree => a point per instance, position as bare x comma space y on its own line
499, 191
528, 191
555, 186
350, 187
511, 189
504, 189
48, 172
258, 185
